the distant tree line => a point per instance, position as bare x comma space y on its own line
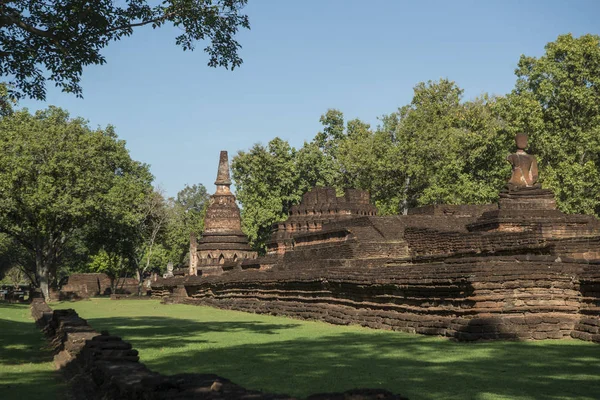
441, 149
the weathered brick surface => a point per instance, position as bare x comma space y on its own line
468, 286
87, 285
318, 207
588, 326
470, 210
496, 298
103, 366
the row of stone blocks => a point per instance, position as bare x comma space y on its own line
103, 366
518, 327
501, 298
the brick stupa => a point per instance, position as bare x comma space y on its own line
223, 244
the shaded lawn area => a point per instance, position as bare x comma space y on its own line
296, 357
26, 367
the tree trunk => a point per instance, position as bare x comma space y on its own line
113, 285
42, 272
139, 275
404, 203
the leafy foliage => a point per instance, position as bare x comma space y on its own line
267, 185
185, 216
61, 37
57, 176
157, 232
557, 102
442, 149
7, 100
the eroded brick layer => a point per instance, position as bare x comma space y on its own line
499, 298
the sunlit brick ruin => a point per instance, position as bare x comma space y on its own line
519, 269
319, 206
223, 245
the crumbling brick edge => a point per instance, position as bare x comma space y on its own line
103, 366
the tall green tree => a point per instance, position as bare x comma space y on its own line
443, 149
12, 255
54, 39
270, 179
372, 160
58, 175
556, 101
185, 216
191, 203
437, 149
315, 168
150, 231
7, 100
266, 182
333, 132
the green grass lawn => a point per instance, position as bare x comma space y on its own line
298, 357
26, 367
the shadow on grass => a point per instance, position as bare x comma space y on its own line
160, 332
20, 340
31, 385
26, 369
415, 366
18, 345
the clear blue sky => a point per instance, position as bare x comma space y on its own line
300, 58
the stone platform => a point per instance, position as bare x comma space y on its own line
428, 274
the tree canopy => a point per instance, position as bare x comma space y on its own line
59, 177
73, 200
53, 40
267, 185
556, 101
443, 149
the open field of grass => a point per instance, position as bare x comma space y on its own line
298, 357
26, 367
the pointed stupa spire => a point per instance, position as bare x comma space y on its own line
223, 178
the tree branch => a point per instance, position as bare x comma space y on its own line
38, 32
142, 23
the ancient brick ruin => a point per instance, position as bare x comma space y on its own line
223, 245
82, 286
519, 269
319, 206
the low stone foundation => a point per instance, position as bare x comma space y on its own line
103, 366
129, 297
516, 297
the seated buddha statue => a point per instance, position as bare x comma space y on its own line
524, 167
